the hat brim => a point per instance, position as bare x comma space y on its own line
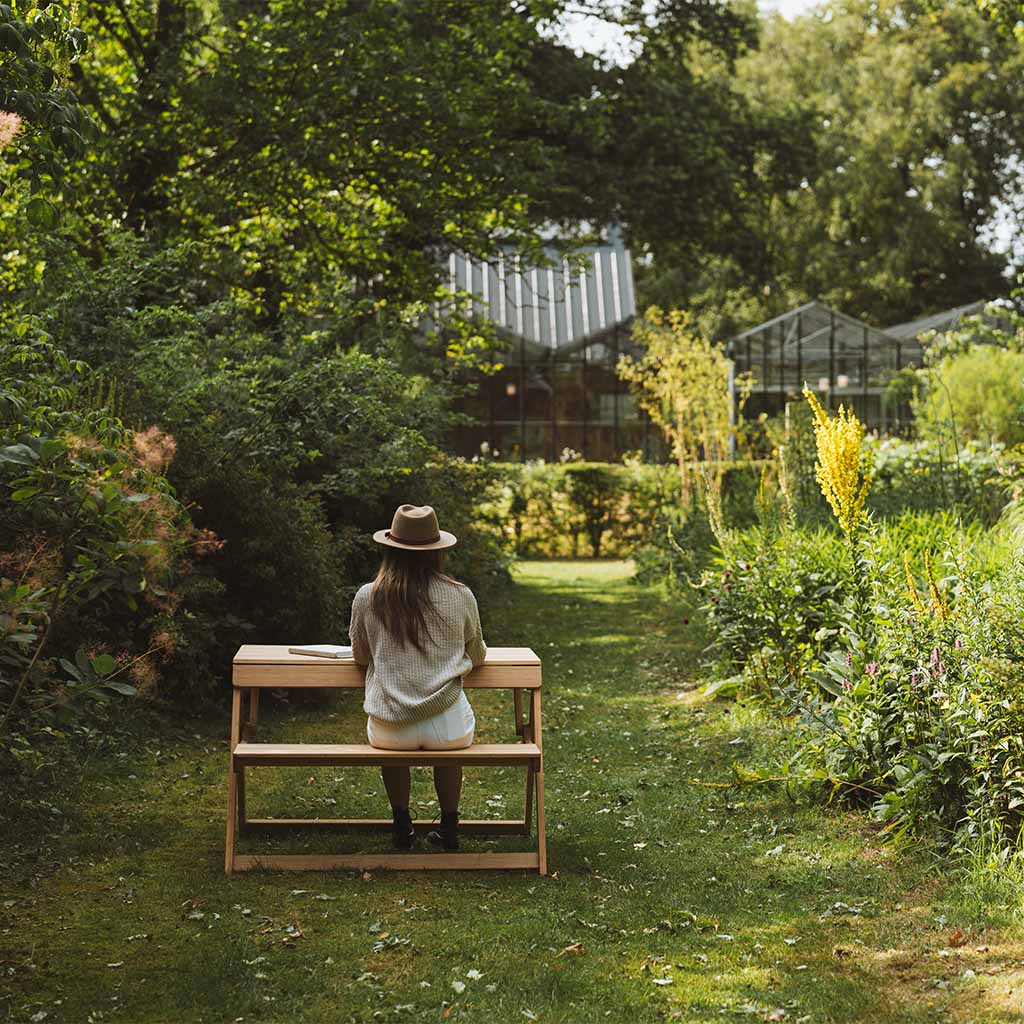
446, 540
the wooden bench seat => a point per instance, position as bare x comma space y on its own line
250, 754
258, 667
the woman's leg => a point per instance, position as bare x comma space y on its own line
448, 783
397, 782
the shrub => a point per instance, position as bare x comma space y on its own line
928, 475
910, 705
631, 510
98, 570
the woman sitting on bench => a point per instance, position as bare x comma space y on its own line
418, 633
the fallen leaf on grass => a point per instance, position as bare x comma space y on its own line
957, 937
576, 947
841, 954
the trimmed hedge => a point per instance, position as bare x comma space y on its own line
597, 509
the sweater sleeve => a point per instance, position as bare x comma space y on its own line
357, 631
475, 646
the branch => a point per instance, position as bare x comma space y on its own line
93, 98
130, 26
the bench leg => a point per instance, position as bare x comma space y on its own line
518, 703
542, 844
240, 777
252, 720
528, 811
233, 804
229, 843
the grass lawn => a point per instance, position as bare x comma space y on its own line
668, 900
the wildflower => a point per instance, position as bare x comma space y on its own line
871, 668
10, 125
843, 469
939, 602
958, 643
935, 663
915, 600
849, 658
154, 448
847, 685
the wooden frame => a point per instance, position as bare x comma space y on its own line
257, 667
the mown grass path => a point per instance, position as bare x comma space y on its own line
668, 900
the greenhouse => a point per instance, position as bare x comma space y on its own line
846, 360
555, 386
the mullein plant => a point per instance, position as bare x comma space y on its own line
844, 473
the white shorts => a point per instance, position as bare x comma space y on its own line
448, 730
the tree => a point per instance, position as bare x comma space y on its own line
43, 125
682, 382
920, 118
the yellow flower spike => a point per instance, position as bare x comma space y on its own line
938, 598
843, 470
915, 599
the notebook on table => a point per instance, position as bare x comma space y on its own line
324, 651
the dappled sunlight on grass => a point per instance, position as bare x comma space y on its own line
745, 902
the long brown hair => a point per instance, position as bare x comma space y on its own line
401, 593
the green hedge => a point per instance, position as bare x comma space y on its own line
596, 509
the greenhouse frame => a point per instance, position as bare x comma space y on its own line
848, 362
554, 390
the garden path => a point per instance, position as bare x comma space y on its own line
669, 900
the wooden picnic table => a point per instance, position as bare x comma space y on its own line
257, 667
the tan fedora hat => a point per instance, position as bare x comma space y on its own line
414, 528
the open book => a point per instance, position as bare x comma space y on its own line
323, 651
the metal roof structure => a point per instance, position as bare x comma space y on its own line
947, 320
827, 349
557, 307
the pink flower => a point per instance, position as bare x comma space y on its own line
10, 125
871, 668
935, 663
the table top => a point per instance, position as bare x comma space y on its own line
278, 654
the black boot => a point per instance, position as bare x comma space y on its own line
446, 835
404, 834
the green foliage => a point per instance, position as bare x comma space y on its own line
901, 170
977, 396
38, 45
98, 581
929, 476
906, 702
681, 380
595, 490
547, 510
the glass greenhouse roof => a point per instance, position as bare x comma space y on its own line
822, 347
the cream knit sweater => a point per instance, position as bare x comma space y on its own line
407, 685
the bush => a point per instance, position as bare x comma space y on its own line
910, 704
99, 579
926, 476
972, 386
564, 510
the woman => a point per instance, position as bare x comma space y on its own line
418, 633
